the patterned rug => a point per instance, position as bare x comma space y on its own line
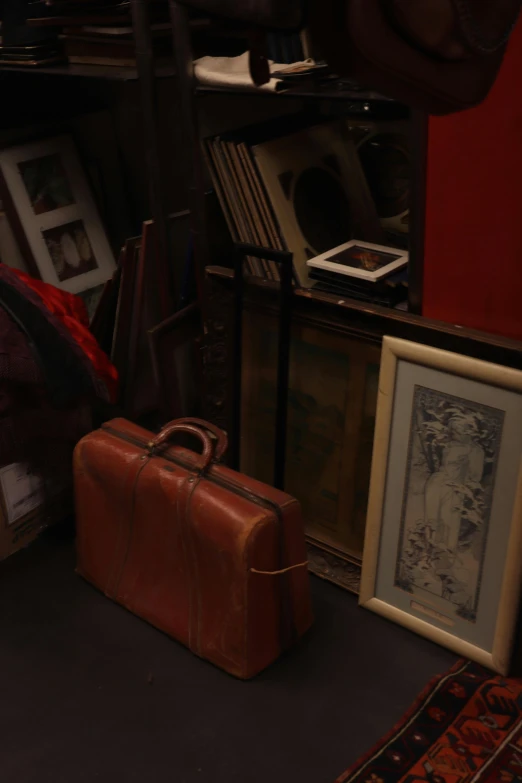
465, 728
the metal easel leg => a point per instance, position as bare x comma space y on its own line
164, 278
284, 259
191, 141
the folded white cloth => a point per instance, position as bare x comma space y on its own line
235, 72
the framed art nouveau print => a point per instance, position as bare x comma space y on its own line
49, 203
443, 543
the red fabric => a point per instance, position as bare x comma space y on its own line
71, 310
473, 244
466, 727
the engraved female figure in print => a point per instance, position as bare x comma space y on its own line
462, 463
452, 458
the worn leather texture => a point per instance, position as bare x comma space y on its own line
180, 542
267, 13
454, 29
438, 56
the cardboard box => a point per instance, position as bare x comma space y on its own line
25, 509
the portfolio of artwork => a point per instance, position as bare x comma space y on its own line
309, 188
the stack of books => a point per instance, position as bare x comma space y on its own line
111, 44
61, 13
42, 53
97, 33
22, 45
363, 271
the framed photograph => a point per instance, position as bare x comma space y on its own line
361, 260
443, 543
54, 217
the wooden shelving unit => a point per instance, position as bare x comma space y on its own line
336, 90
76, 71
327, 312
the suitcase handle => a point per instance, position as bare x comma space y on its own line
209, 448
220, 436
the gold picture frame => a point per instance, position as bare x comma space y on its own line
437, 492
332, 405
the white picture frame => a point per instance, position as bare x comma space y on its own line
443, 543
48, 198
392, 259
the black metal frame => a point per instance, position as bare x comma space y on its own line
147, 82
189, 122
419, 147
285, 261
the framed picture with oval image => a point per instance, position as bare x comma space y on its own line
444, 525
53, 216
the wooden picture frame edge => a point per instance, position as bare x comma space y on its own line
172, 325
395, 349
333, 565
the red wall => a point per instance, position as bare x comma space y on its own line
473, 245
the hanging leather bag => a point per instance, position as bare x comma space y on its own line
439, 56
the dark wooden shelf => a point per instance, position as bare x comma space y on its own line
324, 90
104, 72
332, 311
319, 297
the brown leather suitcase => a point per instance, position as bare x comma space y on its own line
211, 557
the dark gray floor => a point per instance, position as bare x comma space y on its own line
77, 705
